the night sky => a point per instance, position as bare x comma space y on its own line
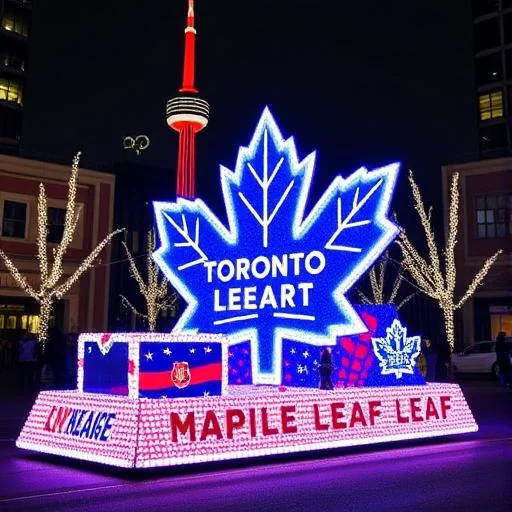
363, 83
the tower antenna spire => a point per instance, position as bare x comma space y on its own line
190, 52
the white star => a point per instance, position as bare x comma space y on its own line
293, 351
163, 396
207, 350
305, 354
167, 351
192, 350
206, 393
90, 350
302, 369
149, 356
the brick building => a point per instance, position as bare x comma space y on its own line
85, 307
485, 226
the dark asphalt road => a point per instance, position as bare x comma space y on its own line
466, 473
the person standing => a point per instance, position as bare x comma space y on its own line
56, 357
71, 359
503, 356
27, 362
325, 368
430, 352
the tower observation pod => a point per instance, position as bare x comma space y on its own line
187, 114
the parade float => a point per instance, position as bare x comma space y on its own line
266, 317
266, 293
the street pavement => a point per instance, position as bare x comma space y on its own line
472, 472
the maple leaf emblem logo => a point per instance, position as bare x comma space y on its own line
396, 352
274, 271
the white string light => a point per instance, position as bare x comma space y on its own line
155, 292
52, 287
436, 280
376, 275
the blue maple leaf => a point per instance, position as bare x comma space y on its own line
275, 272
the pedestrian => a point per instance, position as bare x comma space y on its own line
503, 357
429, 350
28, 353
71, 359
444, 361
56, 357
325, 368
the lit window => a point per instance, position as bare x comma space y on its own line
33, 324
490, 105
13, 22
14, 219
56, 218
493, 216
11, 90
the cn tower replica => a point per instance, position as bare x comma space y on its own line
187, 114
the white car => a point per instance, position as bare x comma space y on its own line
477, 358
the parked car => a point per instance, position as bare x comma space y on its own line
478, 358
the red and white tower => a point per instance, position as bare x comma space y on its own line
187, 114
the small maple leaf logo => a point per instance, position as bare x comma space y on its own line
396, 352
276, 270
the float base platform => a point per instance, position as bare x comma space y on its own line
251, 421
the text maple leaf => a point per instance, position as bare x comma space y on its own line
265, 197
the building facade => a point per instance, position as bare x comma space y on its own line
85, 307
485, 226
15, 20
137, 186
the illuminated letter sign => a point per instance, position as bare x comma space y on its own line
276, 271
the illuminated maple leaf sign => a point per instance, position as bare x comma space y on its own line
396, 352
275, 272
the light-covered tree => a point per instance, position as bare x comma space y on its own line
53, 283
377, 277
156, 291
436, 274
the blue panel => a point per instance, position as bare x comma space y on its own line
106, 373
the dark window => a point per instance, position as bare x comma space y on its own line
487, 35
481, 7
493, 137
506, 4
507, 28
489, 69
493, 216
15, 218
508, 64
13, 62
10, 123
56, 218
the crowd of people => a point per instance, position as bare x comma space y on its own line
35, 369
55, 367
